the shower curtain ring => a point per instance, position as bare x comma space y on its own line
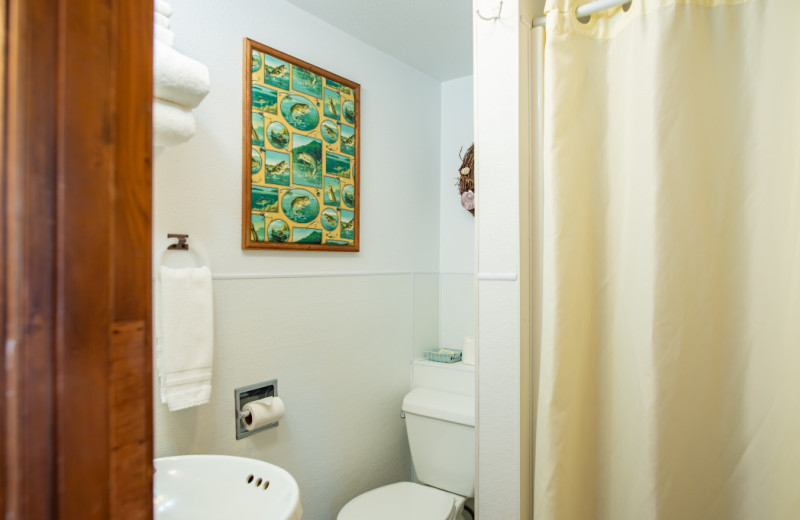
495, 17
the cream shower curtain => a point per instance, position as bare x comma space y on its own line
670, 349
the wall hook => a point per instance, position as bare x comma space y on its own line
495, 17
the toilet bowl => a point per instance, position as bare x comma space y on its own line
403, 501
441, 435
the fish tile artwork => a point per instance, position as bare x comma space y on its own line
300, 155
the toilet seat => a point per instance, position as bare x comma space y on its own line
403, 501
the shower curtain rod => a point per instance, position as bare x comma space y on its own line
586, 10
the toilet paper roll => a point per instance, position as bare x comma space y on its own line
468, 351
263, 412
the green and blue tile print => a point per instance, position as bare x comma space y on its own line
338, 86
303, 156
277, 134
258, 227
306, 82
276, 167
330, 131
348, 144
306, 235
276, 72
299, 112
306, 161
332, 104
264, 199
348, 224
331, 191
278, 231
255, 161
300, 205
265, 99
255, 61
329, 219
349, 196
257, 135
349, 112
337, 165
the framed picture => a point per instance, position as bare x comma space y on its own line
300, 154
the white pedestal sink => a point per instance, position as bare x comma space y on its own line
211, 487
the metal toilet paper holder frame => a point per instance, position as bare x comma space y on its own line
246, 394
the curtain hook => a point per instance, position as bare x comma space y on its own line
495, 17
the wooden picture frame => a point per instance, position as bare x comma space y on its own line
300, 154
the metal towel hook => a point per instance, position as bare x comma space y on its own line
495, 17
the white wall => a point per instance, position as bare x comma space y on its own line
456, 225
340, 346
498, 121
198, 185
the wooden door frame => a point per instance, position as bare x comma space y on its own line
75, 268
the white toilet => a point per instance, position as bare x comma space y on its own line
441, 435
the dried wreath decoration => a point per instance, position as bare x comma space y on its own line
466, 179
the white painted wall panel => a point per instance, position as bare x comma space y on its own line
341, 376
497, 121
457, 226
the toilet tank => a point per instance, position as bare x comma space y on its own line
441, 435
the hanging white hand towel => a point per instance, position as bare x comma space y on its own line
185, 345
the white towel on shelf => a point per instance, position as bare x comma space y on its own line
160, 19
185, 342
163, 35
178, 78
172, 124
163, 7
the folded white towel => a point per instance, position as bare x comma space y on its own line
160, 19
185, 344
163, 7
172, 124
163, 35
178, 78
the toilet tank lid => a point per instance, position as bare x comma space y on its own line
445, 406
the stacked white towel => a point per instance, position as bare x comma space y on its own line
185, 337
178, 78
172, 124
180, 84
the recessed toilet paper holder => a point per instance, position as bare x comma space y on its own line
246, 394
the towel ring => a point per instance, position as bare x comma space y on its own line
181, 245
490, 18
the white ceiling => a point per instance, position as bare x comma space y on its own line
434, 36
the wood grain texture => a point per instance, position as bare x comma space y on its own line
85, 161
76, 198
131, 453
130, 384
29, 180
247, 128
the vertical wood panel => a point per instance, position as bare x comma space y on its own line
29, 179
131, 469
4, 481
75, 415
85, 163
131, 376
